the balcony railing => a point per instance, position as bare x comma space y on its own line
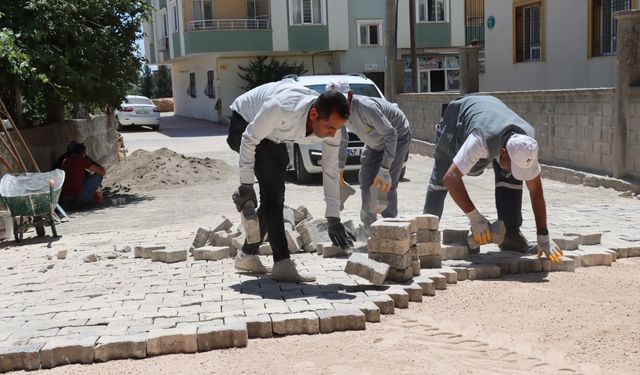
230, 24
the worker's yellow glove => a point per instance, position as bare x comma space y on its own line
549, 248
479, 227
383, 180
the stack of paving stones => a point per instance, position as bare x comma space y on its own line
455, 244
391, 243
428, 238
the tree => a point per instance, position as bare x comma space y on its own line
78, 51
146, 84
163, 83
261, 71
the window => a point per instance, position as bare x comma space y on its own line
191, 91
202, 10
369, 32
528, 32
602, 26
474, 22
306, 12
439, 72
432, 10
210, 90
174, 7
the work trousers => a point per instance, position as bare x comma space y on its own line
370, 163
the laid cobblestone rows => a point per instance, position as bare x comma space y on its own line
173, 303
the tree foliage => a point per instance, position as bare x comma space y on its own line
146, 82
71, 51
163, 83
264, 69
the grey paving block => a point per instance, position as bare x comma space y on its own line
430, 261
400, 275
172, 341
121, 347
294, 240
216, 336
414, 290
425, 235
347, 319
386, 245
305, 212
202, 236
295, 323
428, 248
393, 260
451, 276
265, 249
169, 255
370, 310
258, 326
391, 230
439, 280
587, 238
454, 251
595, 257
454, 236
236, 242
402, 219
329, 250
566, 265
224, 225
314, 231
429, 222
13, 358
427, 284
385, 303
346, 191
484, 271
415, 267
399, 295
145, 250
298, 215
60, 351
288, 216
222, 238
211, 253
461, 273
567, 243
361, 265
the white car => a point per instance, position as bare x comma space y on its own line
137, 110
306, 159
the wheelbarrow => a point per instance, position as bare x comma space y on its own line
31, 199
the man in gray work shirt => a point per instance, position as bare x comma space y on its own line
385, 130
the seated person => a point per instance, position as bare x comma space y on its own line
79, 187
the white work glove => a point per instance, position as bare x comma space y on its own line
383, 180
549, 248
479, 227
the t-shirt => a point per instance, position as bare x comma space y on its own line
74, 167
473, 149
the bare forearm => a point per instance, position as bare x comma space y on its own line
538, 204
455, 186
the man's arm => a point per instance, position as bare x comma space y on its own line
330, 177
538, 204
455, 186
373, 116
97, 170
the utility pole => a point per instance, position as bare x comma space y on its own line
390, 48
412, 37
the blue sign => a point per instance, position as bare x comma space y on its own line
491, 22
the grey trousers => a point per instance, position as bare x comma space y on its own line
370, 164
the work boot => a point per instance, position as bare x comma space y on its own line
286, 271
515, 241
249, 263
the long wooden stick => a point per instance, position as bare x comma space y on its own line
11, 143
9, 149
24, 144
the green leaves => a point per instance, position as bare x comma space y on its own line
261, 71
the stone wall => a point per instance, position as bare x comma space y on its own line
574, 128
50, 141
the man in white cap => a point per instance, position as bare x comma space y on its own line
386, 133
476, 131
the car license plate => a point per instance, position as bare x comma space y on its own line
354, 151
143, 112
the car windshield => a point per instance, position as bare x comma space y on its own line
131, 100
358, 89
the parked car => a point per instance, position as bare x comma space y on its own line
306, 159
137, 110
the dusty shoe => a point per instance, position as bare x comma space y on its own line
249, 263
286, 271
515, 241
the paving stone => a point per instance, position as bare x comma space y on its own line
288, 216
13, 358
361, 265
385, 245
593, 257
121, 347
429, 222
430, 261
202, 236
295, 324
461, 273
237, 242
211, 253
315, 230
427, 284
60, 351
224, 225
402, 219
385, 303
329, 250
415, 267
265, 249
428, 248
145, 250
258, 326
393, 260
566, 265
451, 276
216, 336
91, 258
391, 230
414, 290
305, 212
498, 231
370, 310
425, 235
172, 341
346, 191
169, 255
400, 275
400, 297
439, 280
454, 236
222, 238
347, 319
62, 254
454, 251
567, 243
294, 240
298, 215
483, 271
587, 238
577, 259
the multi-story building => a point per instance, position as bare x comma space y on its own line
206, 41
550, 44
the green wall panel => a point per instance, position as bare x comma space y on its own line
433, 35
308, 38
162, 4
228, 41
177, 51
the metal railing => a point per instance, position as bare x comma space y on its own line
230, 24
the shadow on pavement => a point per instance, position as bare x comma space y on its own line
267, 288
30, 238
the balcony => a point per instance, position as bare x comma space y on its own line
260, 23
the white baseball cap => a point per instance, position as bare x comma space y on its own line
340, 85
523, 152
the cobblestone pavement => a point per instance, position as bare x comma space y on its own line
72, 302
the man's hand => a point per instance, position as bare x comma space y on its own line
340, 236
243, 194
479, 227
341, 178
549, 248
383, 180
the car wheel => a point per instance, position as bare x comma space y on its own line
302, 176
155, 127
119, 125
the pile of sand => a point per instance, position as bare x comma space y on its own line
163, 169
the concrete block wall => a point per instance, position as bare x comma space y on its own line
574, 128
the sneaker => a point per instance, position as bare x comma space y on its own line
286, 271
515, 241
249, 263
